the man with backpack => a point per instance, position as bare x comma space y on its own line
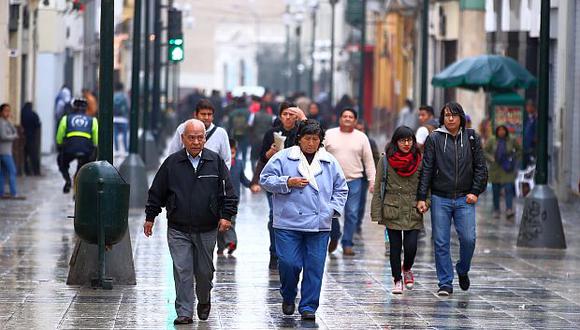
455, 173
260, 123
428, 125
238, 124
120, 117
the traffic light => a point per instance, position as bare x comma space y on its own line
175, 51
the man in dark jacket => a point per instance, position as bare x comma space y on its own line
194, 186
454, 170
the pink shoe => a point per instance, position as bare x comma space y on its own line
398, 288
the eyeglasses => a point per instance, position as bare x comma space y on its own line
406, 141
449, 115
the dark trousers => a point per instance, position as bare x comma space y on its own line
398, 239
31, 158
271, 225
64, 159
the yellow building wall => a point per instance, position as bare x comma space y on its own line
394, 61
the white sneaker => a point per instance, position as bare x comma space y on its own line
398, 288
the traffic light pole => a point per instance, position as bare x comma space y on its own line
150, 152
156, 101
133, 169
105, 149
424, 51
331, 87
541, 224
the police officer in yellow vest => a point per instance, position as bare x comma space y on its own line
77, 138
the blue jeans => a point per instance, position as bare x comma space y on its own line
351, 211
120, 129
443, 210
7, 163
363, 203
509, 195
271, 225
301, 251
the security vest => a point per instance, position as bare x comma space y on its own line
79, 125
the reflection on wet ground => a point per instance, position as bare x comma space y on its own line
512, 288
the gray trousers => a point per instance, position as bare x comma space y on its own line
192, 255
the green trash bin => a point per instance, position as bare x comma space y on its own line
102, 195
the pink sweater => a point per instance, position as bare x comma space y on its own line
353, 152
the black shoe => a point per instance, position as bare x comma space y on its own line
464, 282
444, 291
203, 311
308, 316
288, 308
333, 245
66, 188
273, 263
182, 320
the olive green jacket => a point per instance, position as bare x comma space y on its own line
496, 173
398, 209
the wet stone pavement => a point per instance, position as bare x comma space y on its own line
512, 288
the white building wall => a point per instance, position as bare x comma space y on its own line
47, 85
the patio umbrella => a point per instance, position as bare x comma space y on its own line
492, 72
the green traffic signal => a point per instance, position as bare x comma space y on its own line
175, 49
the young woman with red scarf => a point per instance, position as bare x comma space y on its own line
397, 209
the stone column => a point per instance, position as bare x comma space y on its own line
4, 51
472, 42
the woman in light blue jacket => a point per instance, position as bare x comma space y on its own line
309, 189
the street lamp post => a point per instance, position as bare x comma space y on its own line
541, 224
361, 86
298, 59
331, 87
313, 9
424, 51
287, 71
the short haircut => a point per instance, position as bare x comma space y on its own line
349, 109
4, 105
233, 144
427, 108
193, 122
285, 105
204, 104
307, 127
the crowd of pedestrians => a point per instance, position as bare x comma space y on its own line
315, 172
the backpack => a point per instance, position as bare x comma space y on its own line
262, 123
238, 122
120, 106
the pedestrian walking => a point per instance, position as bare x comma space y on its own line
77, 138
502, 153
428, 124
260, 123
120, 117
229, 239
308, 189
238, 126
92, 104
393, 205
353, 151
530, 138
216, 138
194, 185
276, 139
454, 171
8, 134
62, 99
31, 125
407, 116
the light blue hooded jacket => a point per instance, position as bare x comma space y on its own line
311, 208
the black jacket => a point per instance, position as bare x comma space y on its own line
195, 200
268, 140
453, 166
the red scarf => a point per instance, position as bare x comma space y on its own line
404, 164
